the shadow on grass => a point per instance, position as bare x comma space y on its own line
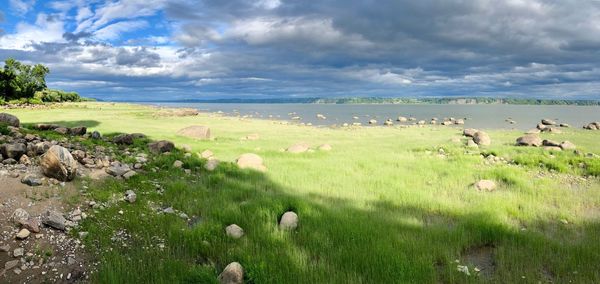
66, 123
337, 241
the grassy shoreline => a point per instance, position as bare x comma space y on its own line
386, 205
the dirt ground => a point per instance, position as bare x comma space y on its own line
50, 256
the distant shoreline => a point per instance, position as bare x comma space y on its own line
376, 100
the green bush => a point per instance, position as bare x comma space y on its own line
56, 96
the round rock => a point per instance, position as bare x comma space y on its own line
289, 221
251, 161
234, 231
485, 185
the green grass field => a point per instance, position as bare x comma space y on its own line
384, 206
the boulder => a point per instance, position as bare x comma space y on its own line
482, 138
472, 144
96, 135
529, 140
540, 126
552, 130
546, 121
592, 126
129, 174
206, 154
232, 274
195, 131
125, 139
469, 132
19, 215
32, 180
162, 146
289, 221
552, 148
13, 150
485, 185
130, 196
117, 169
79, 155
178, 164
55, 220
298, 148
61, 130
9, 119
186, 148
251, 161
24, 160
567, 145
43, 126
211, 165
58, 163
77, 131
550, 143
234, 231
30, 224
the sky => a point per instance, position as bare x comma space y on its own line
192, 49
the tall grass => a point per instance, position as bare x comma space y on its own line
384, 206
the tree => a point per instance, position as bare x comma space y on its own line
19, 80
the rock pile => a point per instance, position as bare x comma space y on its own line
592, 126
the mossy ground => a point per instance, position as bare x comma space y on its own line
382, 207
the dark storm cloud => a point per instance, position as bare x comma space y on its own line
76, 36
137, 57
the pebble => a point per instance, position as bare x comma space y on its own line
23, 234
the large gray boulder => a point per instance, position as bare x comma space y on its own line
298, 148
58, 163
117, 169
529, 140
567, 145
162, 146
469, 132
127, 139
232, 274
547, 121
13, 150
9, 119
482, 138
55, 220
195, 131
78, 131
592, 126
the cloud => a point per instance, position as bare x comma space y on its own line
75, 37
137, 57
119, 10
21, 6
271, 48
45, 29
114, 31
